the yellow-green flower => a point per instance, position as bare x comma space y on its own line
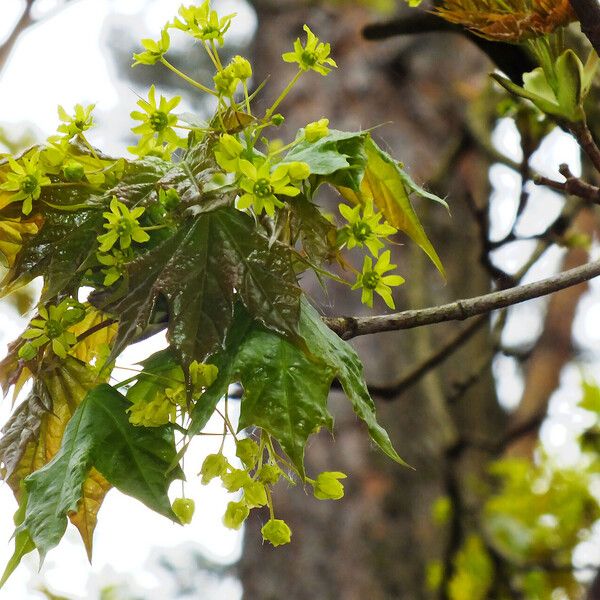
225, 82
184, 509
262, 187
327, 485
227, 79
247, 451
203, 23
312, 57
364, 230
115, 264
235, 515
152, 147
122, 226
276, 532
155, 413
228, 151
214, 465
26, 179
373, 279
153, 50
316, 130
157, 120
240, 67
76, 124
52, 326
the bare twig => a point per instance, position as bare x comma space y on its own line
390, 392
459, 310
573, 185
585, 139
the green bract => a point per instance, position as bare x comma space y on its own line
207, 239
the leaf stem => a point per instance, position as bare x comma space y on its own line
185, 77
282, 96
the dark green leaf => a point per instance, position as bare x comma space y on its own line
339, 355
197, 270
285, 392
337, 151
161, 370
57, 252
317, 234
133, 459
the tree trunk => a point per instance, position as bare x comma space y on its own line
376, 542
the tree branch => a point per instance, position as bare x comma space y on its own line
459, 310
573, 185
588, 13
390, 392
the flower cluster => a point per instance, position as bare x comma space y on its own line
52, 327
313, 56
203, 23
262, 468
173, 398
156, 131
26, 179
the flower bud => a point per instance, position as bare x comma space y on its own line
276, 532
277, 119
214, 465
298, 170
240, 67
233, 481
73, 171
184, 509
235, 515
327, 486
247, 451
269, 474
316, 130
255, 494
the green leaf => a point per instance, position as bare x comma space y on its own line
133, 459
337, 151
285, 392
23, 542
138, 185
225, 361
388, 186
197, 271
317, 234
276, 374
339, 355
